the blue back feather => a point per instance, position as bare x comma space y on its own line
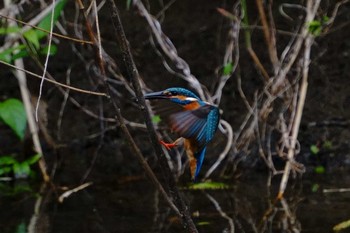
200, 157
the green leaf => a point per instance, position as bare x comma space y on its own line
21, 228
203, 223
7, 160
341, 226
45, 50
12, 112
8, 30
315, 188
32, 37
128, 4
320, 169
156, 119
314, 149
20, 54
5, 170
7, 54
208, 185
5, 57
21, 170
327, 144
33, 159
325, 19
228, 68
46, 22
315, 27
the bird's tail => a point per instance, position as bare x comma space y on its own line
196, 163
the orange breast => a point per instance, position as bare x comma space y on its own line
192, 106
191, 148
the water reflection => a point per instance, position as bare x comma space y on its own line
246, 206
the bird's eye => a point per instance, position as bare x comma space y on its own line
174, 93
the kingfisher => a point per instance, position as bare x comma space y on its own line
193, 119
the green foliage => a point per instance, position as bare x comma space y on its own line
315, 27
33, 37
320, 169
46, 22
341, 226
208, 185
228, 68
203, 223
8, 30
315, 188
13, 114
44, 50
128, 4
8, 55
247, 35
327, 145
314, 149
156, 119
21, 228
10, 165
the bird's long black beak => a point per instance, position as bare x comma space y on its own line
156, 95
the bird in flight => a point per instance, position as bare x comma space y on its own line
193, 119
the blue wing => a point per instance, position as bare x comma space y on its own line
199, 124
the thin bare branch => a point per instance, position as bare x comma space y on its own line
46, 62
74, 190
312, 7
221, 212
170, 51
48, 32
223, 154
55, 82
270, 39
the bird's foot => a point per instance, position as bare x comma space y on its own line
168, 146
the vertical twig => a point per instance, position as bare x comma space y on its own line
46, 62
248, 42
33, 127
134, 76
312, 7
97, 43
270, 40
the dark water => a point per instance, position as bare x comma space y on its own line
135, 206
